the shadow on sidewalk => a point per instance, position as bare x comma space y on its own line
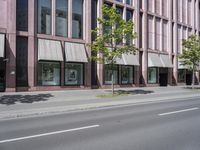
132, 92
13, 99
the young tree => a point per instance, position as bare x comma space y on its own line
113, 38
191, 54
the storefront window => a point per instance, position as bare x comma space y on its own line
61, 17
48, 73
127, 74
152, 75
73, 74
129, 16
44, 16
108, 74
77, 19
181, 75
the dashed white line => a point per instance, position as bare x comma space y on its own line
178, 111
47, 134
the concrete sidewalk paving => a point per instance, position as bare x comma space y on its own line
26, 104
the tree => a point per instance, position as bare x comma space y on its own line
191, 54
113, 38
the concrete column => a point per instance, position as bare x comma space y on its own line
11, 46
53, 20
175, 59
170, 44
32, 59
137, 30
70, 18
145, 46
88, 27
99, 65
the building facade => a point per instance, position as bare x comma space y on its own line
43, 43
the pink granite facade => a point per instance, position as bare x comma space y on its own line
160, 24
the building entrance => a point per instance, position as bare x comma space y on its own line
2, 75
163, 76
189, 78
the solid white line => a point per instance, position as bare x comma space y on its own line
46, 134
179, 111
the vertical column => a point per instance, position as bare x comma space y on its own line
70, 18
53, 20
11, 46
170, 35
32, 57
88, 27
193, 18
62, 66
99, 65
144, 43
175, 59
137, 44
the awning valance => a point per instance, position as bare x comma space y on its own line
2, 45
75, 52
130, 59
154, 60
49, 50
166, 61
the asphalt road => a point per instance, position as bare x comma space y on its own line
156, 126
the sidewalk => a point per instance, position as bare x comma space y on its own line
26, 104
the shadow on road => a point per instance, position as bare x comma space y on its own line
13, 99
132, 92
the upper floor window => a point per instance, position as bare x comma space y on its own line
22, 15
119, 0
44, 16
61, 17
129, 2
77, 19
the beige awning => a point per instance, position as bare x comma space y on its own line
75, 52
49, 50
180, 66
2, 45
130, 59
167, 63
154, 60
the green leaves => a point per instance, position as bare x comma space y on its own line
113, 37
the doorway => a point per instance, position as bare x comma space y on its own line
2, 75
188, 78
163, 76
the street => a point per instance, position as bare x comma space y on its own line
155, 126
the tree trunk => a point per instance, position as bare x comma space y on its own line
112, 83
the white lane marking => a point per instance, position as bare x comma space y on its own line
46, 134
179, 111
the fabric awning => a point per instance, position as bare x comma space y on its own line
166, 61
130, 59
2, 45
75, 52
154, 60
180, 66
49, 50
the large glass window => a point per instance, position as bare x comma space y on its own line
61, 17
129, 16
108, 74
22, 61
22, 15
127, 74
77, 19
107, 28
44, 16
73, 74
152, 75
129, 2
181, 75
48, 73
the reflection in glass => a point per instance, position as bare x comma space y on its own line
48, 73
44, 16
73, 74
127, 74
77, 19
61, 17
108, 74
152, 75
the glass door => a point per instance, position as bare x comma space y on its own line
2, 75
